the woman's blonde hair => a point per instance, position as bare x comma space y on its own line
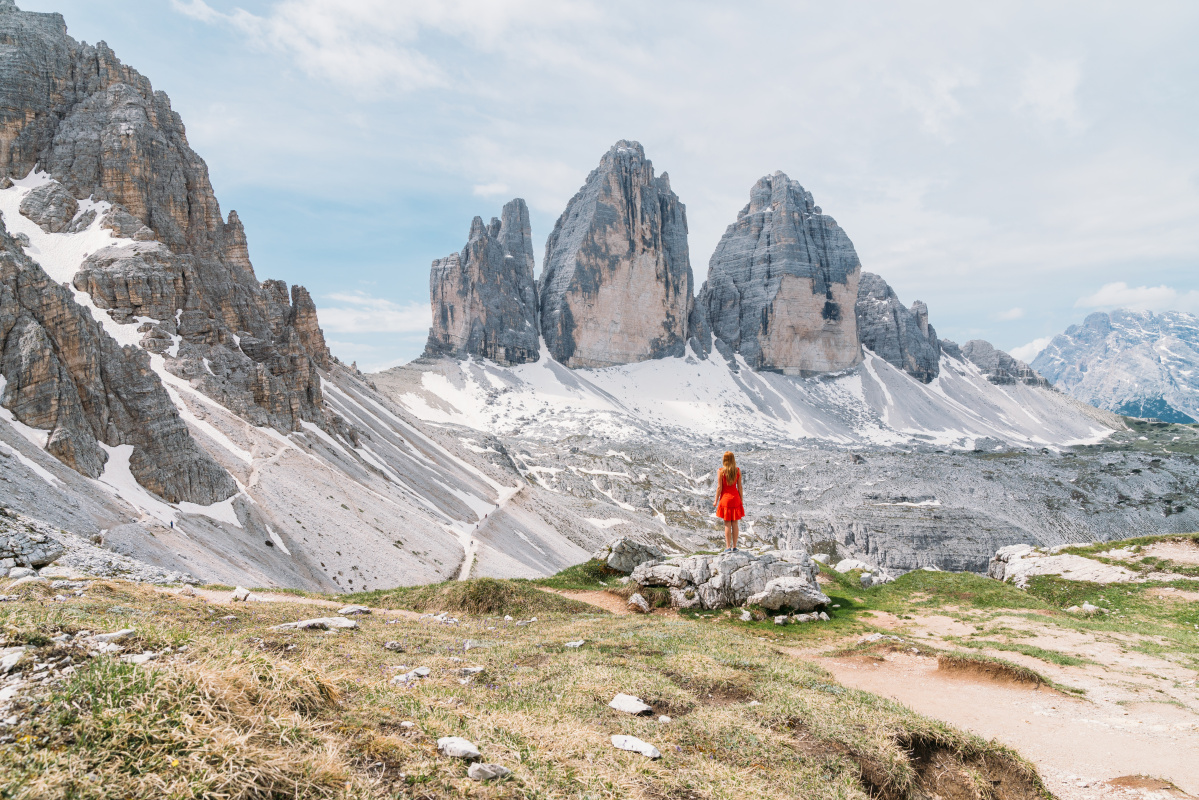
729, 467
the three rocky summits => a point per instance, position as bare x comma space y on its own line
785, 290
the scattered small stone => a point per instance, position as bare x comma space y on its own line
140, 658
350, 611
21, 572
115, 636
577, 644
639, 603
240, 595
754, 703
746, 616
10, 657
866, 580
664, 719
782, 619
228, 618
486, 772
457, 747
28, 579
635, 745
419, 672
507, 618
187, 591
825, 617
470, 670
630, 705
321, 623
394, 647
407, 725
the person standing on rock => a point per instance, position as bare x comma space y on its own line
728, 500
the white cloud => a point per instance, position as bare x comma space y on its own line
1140, 298
1050, 89
490, 189
1010, 314
1027, 352
361, 313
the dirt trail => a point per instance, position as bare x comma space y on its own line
224, 597
1139, 717
606, 600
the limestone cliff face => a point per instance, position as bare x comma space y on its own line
900, 336
998, 366
485, 298
782, 285
617, 283
101, 131
65, 375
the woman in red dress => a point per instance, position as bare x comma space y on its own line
728, 500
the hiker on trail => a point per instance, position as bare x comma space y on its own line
728, 500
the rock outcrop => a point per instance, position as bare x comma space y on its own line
900, 336
617, 283
63, 374
485, 298
782, 285
23, 545
998, 366
101, 132
624, 554
727, 579
1135, 363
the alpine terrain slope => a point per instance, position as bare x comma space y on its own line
160, 398
1136, 363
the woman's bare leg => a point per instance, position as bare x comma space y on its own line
736, 533
728, 534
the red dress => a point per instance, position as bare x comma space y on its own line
729, 506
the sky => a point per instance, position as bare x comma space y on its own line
1014, 165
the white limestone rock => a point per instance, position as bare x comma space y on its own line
630, 705
624, 554
796, 594
635, 745
457, 747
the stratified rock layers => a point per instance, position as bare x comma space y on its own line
485, 298
617, 282
101, 131
782, 285
900, 336
64, 374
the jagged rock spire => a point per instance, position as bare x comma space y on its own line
617, 284
484, 298
782, 285
900, 336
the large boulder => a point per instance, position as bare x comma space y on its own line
795, 594
22, 546
50, 207
625, 554
726, 579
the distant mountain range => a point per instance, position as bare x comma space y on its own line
1134, 363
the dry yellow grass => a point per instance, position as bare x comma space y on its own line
247, 712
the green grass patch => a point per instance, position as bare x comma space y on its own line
1048, 656
477, 596
582, 577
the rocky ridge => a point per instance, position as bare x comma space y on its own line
616, 286
901, 336
1135, 363
485, 298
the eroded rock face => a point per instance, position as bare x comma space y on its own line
617, 282
900, 336
724, 580
998, 366
101, 131
782, 285
64, 374
624, 554
485, 298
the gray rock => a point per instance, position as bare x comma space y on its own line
25, 547
624, 554
639, 603
486, 772
485, 298
723, 580
782, 619
866, 580
320, 623
624, 228
630, 705
782, 285
635, 745
794, 593
850, 564
998, 366
111, 638
349, 611
457, 747
900, 336
50, 207
240, 594
21, 572
1135, 363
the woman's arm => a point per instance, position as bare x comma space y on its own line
740, 487
719, 486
